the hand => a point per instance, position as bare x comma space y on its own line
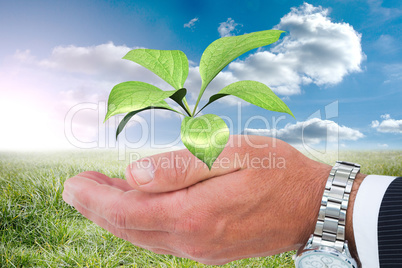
261, 198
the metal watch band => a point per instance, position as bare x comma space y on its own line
330, 228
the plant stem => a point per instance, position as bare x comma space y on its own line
199, 97
196, 104
181, 113
187, 107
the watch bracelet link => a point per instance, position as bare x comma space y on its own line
330, 226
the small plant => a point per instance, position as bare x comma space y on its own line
204, 136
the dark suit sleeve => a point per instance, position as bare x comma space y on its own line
390, 226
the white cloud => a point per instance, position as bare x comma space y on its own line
383, 13
83, 74
227, 28
24, 56
387, 44
382, 145
386, 116
393, 71
316, 50
191, 23
96, 68
103, 60
70, 76
312, 131
375, 124
387, 125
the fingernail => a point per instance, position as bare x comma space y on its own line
69, 187
143, 172
72, 185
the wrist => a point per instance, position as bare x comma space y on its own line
349, 235
317, 186
321, 174
334, 224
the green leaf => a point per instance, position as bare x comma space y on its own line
255, 93
224, 50
133, 95
205, 137
159, 105
178, 97
170, 65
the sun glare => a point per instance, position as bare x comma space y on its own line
26, 125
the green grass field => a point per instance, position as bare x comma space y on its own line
37, 229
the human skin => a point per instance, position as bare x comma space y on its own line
238, 209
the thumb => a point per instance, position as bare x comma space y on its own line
175, 170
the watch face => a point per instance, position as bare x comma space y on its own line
317, 259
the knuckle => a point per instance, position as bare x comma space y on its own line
180, 165
158, 251
116, 216
120, 233
179, 172
200, 252
194, 252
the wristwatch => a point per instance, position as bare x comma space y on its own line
327, 247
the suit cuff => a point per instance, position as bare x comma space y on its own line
365, 218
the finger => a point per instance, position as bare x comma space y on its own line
144, 239
179, 169
122, 209
103, 179
163, 252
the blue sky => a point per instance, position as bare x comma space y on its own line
60, 59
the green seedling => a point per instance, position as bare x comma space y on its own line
204, 136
